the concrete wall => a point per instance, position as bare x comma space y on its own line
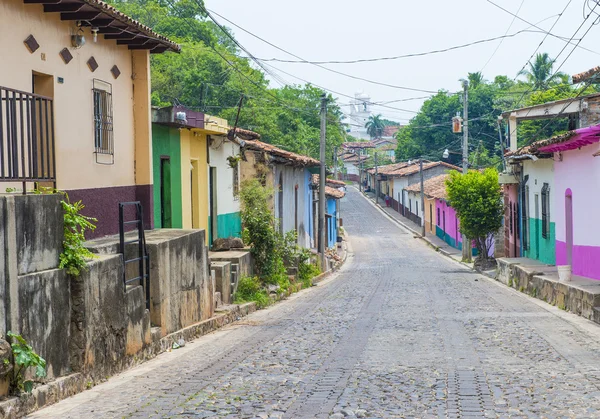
181, 289
578, 171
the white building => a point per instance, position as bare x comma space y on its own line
360, 111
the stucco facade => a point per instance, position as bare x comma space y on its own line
540, 183
228, 222
577, 182
100, 180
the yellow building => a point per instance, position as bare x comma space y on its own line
75, 88
199, 206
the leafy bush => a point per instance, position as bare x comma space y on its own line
306, 270
476, 197
74, 254
250, 289
25, 357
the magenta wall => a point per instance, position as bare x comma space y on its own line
578, 171
451, 234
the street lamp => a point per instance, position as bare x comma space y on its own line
446, 154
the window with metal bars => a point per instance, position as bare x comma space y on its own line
546, 211
524, 216
103, 119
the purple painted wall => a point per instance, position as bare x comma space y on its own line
103, 204
451, 233
580, 172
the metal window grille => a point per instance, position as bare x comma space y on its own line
438, 216
545, 211
524, 216
103, 120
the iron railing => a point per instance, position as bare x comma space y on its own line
27, 148
141, 275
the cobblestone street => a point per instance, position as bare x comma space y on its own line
399, 332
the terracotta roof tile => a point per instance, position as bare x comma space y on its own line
297, 159
414, 168
138, 28
330, 182
359, 144
434, 187
578, 78
334, 193
244, 134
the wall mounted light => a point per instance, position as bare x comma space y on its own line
78, 40
95, 34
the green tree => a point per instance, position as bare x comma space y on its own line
475, 79
476, 198
540, 73
375, 126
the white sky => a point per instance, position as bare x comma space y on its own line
349, 29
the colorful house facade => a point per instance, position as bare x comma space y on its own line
196, 173
88, 130
290, 176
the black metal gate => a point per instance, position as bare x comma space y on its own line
141, 256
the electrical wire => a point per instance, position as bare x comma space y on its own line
502, 40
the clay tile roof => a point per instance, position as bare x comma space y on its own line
244, 134
293, 158
356, 158
334, 193
390, 130
414, 168
434, 187
578, 78
359, 144
330, 182
119, 23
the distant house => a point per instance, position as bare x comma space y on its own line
290, 175
439, 217
77, 114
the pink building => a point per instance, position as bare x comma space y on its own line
576, 198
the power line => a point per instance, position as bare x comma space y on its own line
393, 86
502, 40
537, 27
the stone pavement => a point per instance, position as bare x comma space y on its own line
399, 332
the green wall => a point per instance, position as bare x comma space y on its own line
547, 251
229, 225
166, 142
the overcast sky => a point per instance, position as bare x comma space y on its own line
325, 30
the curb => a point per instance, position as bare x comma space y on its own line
64, 387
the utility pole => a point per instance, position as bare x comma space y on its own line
335, 164
360, 174
501, 143
322, 226
466, 249
376, 181
422, 197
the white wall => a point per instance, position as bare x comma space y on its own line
540, 172
220, 149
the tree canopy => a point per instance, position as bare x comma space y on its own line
201, 79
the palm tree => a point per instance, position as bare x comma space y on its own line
375, 126
540, 73
475, 79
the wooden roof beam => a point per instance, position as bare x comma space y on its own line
62, 7
41, 1
80, 15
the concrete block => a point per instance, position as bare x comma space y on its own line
39, 225
45, 315
99, 322
222, 278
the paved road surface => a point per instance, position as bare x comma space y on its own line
400, 332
